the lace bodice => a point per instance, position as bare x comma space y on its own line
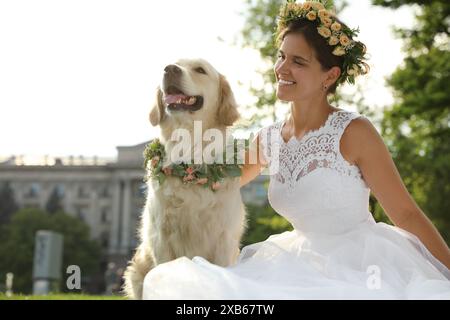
310, 181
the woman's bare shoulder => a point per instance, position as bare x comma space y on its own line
359, 134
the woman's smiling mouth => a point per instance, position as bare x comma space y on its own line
282, 82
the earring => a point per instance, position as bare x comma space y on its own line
325, 87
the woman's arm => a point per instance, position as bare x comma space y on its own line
365, 147
253, 164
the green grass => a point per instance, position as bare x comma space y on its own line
60, 297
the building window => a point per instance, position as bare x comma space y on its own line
104, 215
104, 240
82, 192
82, 213
60, 191
33, 190
105, 192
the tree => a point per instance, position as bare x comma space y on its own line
263, 221
8, 204
416, 127
17, 246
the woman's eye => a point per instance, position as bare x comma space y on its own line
300, 64
200, 70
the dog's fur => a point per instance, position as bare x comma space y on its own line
184, 219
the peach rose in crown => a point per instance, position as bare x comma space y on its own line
311, 16
338, 51
307, 5
333, 41
345, 41
336, 26
296, 7
324, 32
317, 5
353, 71
324, 14
326, 22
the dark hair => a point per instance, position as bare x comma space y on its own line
322, 50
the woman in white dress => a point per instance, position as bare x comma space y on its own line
323, 164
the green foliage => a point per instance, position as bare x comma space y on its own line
432, 23
61, 297
8, 204
17, 245
263, 221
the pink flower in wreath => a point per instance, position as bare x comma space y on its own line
202, 181
189, 170
187, 178
167, 171
155, 161
216, 185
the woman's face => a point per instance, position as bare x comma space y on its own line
299, 74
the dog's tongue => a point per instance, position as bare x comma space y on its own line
172, 98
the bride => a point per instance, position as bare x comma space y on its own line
323, 163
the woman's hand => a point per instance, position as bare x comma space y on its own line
254, 162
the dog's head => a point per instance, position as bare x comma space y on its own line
192, 89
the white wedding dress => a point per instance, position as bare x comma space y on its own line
336, 251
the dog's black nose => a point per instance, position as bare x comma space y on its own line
173, 69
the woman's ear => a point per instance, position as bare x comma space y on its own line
333, 74
227, 113
157, 113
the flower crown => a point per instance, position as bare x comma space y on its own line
338, 35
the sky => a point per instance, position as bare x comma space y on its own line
78, 77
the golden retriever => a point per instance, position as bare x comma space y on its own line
187, 219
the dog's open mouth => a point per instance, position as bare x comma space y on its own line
176, 100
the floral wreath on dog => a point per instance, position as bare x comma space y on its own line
207, 175
338, 36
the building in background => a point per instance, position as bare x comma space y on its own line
108, 195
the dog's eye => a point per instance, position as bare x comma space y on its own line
200, 70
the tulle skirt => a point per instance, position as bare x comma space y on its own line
373, 261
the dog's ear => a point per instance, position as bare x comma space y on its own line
157, 113
227, 113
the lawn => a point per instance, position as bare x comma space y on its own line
60, 297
